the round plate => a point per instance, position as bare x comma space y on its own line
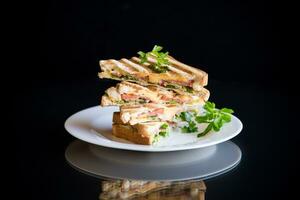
94, 125
200, 163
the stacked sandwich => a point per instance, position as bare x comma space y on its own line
154, 88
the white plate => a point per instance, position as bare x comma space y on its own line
94, 125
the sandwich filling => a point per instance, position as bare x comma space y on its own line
126, 93
134, 114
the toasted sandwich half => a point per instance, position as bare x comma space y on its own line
145, 133
134, 114
178, 75
127, 93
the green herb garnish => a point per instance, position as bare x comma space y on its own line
188, 89
186, 116
215, 118
171, 86
164, 126
143, 56
164, 133
164, 130
143, 101
159, 69
129, 77
153, 117
120, 101
161, 59
190, 128
173, 102
156, 138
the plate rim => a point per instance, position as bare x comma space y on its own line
144, 148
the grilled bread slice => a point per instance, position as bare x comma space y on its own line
127, 93
178, 75
142, 133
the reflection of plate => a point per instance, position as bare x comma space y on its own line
93, 125
180, 165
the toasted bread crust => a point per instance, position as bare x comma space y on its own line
201, 76
105, 101
142, 133
117, 118
130, 133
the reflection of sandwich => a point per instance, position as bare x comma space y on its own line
177, 75
126, 93
129, 189
142, 133
146, 190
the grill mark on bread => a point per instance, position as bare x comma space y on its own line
181, 72
182, 66
122, 66
136, 66
145, 65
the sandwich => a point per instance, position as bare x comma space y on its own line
127, 93
156, 68
154, 88
146, 133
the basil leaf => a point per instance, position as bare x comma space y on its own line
227, 110
157, 48
171, 86
202, 119
190, 128
161, 59
226, 117
143, 56
173, 102
217, 124
164, 126
185, 116
163, 133
208, 128
188, 89
156, 138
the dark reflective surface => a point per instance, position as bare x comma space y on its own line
202, 163
83, 158
57, 48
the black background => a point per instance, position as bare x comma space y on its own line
238, 43
231, 40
